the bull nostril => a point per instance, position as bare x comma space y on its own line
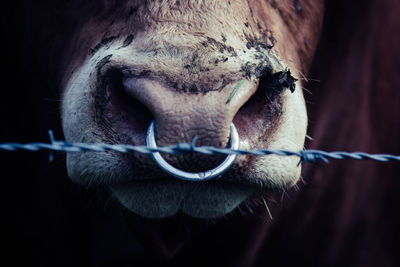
124, 114
255, 104
265, 104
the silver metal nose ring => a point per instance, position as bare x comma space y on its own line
192, 176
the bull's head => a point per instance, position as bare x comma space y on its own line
177, 62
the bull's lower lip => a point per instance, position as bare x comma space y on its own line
231, 177
165, 198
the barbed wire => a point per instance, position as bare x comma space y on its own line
313, 156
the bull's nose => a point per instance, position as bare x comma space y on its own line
180, 116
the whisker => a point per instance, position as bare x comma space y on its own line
266, 206
305, 89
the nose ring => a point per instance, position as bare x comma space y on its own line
192, 176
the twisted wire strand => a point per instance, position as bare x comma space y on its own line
313, 156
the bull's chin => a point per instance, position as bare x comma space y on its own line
165, 198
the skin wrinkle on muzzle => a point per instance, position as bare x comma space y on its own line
160, 74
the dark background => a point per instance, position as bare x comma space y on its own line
344, 213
